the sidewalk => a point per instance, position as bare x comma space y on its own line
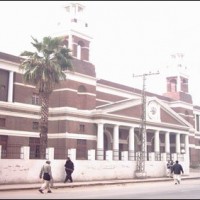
9, 187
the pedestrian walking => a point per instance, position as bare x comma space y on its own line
46, 175
177, 169
169, 168
69, 168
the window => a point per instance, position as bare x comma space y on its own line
35, 125
82, 102
81, 150
3, 93
197, 122
3, 143
185, 81
82, 128
34, 144
81, 89
173, 85
2, 122
35, 99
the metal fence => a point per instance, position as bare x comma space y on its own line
15, 152
11, 152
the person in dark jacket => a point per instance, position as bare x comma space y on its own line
177, 169
69, 168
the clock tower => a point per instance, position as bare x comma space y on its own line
177, 79
73, 27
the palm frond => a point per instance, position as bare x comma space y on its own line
26, 53
45, 67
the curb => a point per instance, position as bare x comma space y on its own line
15, 187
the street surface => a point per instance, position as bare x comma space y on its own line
188, 189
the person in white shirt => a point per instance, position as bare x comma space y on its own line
46, 175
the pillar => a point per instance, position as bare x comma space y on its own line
72, 154
91, 154
167, 143
131, 146
157, 142
178, 145
10, 87
116, 143
50, 153
100, 142
187, 144
25, 152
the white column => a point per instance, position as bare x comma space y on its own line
72, 154
186, 144
131, 146
50, 153
70, 43
25, 152
109, 155
124, 155
116, 143
186, 155
100, 142
131, 139
178, 146
10, 87
167, 143
91, 154
157, 142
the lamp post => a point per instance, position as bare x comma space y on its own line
141, 155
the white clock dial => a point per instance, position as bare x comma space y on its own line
152, 110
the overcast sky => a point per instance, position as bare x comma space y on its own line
129, 37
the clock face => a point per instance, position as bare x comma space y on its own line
152, 110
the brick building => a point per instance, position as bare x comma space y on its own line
89, 113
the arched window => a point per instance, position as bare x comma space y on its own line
173, 85
184, 85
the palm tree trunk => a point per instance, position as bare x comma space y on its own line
44, 124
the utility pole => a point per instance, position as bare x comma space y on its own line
141, 155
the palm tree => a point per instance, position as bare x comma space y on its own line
45, 69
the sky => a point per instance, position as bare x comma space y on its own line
129, 37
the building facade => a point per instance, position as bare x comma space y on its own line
87, 113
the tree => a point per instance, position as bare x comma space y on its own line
44, 69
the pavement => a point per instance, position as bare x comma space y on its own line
194, 174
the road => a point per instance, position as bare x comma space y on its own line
188, 189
